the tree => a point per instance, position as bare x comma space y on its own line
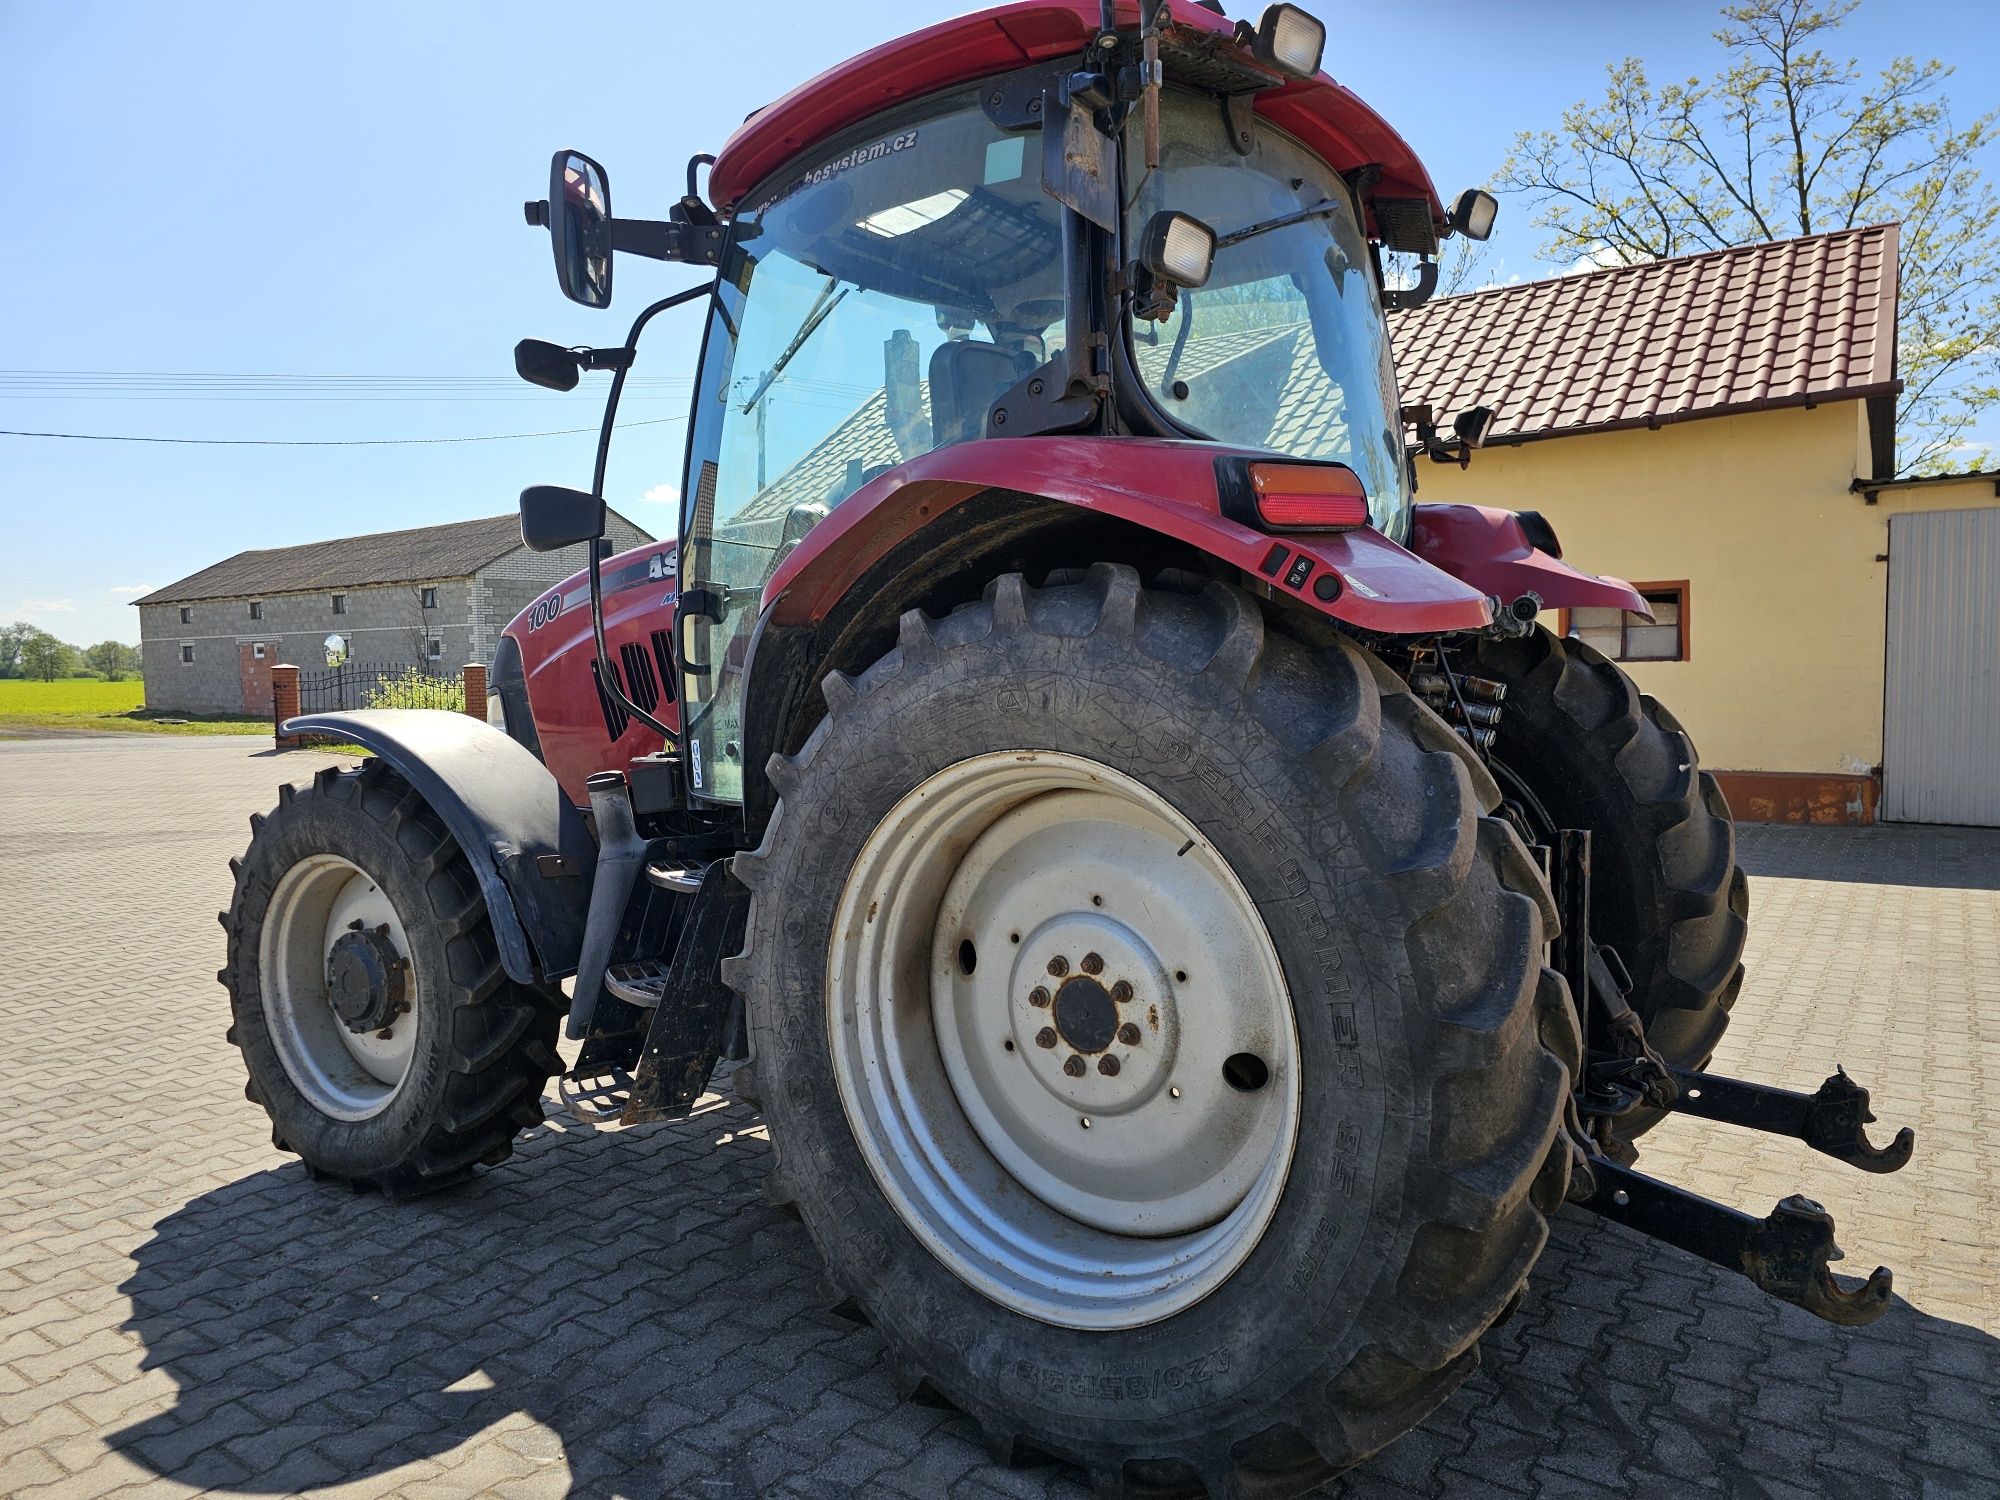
1786, 141
112, 660
11, 637
45, 657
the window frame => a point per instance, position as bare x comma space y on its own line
256, 650
187, 614
187, 653
428, 597
1683, 637
256, 609
434, 648
339, 603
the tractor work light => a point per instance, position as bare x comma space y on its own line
1177, 248
1309, 497
1473, 214
1290, 40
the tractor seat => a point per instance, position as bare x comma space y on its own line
967, 377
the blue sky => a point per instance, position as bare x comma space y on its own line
312, 190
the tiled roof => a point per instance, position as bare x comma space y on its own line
456, 549
1791, 323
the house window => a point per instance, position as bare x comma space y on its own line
1623, 636
187, 615
256, 609
257, 651
340, 604
430, 598
437, 647
187, 653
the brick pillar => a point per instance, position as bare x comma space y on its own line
475, 689
284, 705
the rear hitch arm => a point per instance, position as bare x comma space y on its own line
1829, 1121
1785, 1253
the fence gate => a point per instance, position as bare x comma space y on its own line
349, 685
1941, 729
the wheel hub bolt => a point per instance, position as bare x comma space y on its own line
1058, 966
1073, 1066
1038, 996
1108, 1066
1128, 1034
1121, 991
1092, 964
1046, 1037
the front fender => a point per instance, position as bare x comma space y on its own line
1492, 550
528, 846
1167, 486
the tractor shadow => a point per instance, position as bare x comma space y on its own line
1907, 854
619, 1313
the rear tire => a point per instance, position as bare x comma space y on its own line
411, 1104
1434, 1049
1666, 891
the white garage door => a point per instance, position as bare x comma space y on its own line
1941, 751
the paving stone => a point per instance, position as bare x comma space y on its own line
617, 1312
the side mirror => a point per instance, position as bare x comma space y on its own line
553, 517
1473, 214
548, 365
578, 215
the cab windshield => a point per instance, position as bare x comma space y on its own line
1285, 346
874, 305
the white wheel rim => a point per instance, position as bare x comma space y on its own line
345, 1074
1048, 865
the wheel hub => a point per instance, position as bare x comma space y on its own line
341, 998
1093, 1019
1086, 1015
366, 979
1064, 1039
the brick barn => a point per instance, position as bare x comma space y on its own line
436, 597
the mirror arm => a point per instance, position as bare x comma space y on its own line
606, 673
667, 239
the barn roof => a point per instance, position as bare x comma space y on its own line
1789, 323
455, 549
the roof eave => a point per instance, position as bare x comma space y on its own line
1655, 420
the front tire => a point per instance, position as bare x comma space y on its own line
380, 1033
1262, 1329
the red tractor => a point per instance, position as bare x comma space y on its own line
1189, 923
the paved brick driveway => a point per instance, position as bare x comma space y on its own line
619, 1314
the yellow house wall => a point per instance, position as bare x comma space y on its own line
1787, 604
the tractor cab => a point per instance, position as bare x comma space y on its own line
1170, 231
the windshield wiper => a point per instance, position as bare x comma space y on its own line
822, 305
1297, 216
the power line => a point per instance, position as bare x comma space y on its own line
494, 437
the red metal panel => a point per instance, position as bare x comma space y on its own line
1328, 118
558, 657
1166, 486
1489, 550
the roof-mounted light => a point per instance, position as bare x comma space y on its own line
1309, 497
1290, 40
1473, 214
1177, 248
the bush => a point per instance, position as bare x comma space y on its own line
416, 688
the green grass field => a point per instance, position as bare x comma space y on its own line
89, 706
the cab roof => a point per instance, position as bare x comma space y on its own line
1326, 117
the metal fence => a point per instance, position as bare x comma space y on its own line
349, 685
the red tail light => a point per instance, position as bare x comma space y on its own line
1309, 497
